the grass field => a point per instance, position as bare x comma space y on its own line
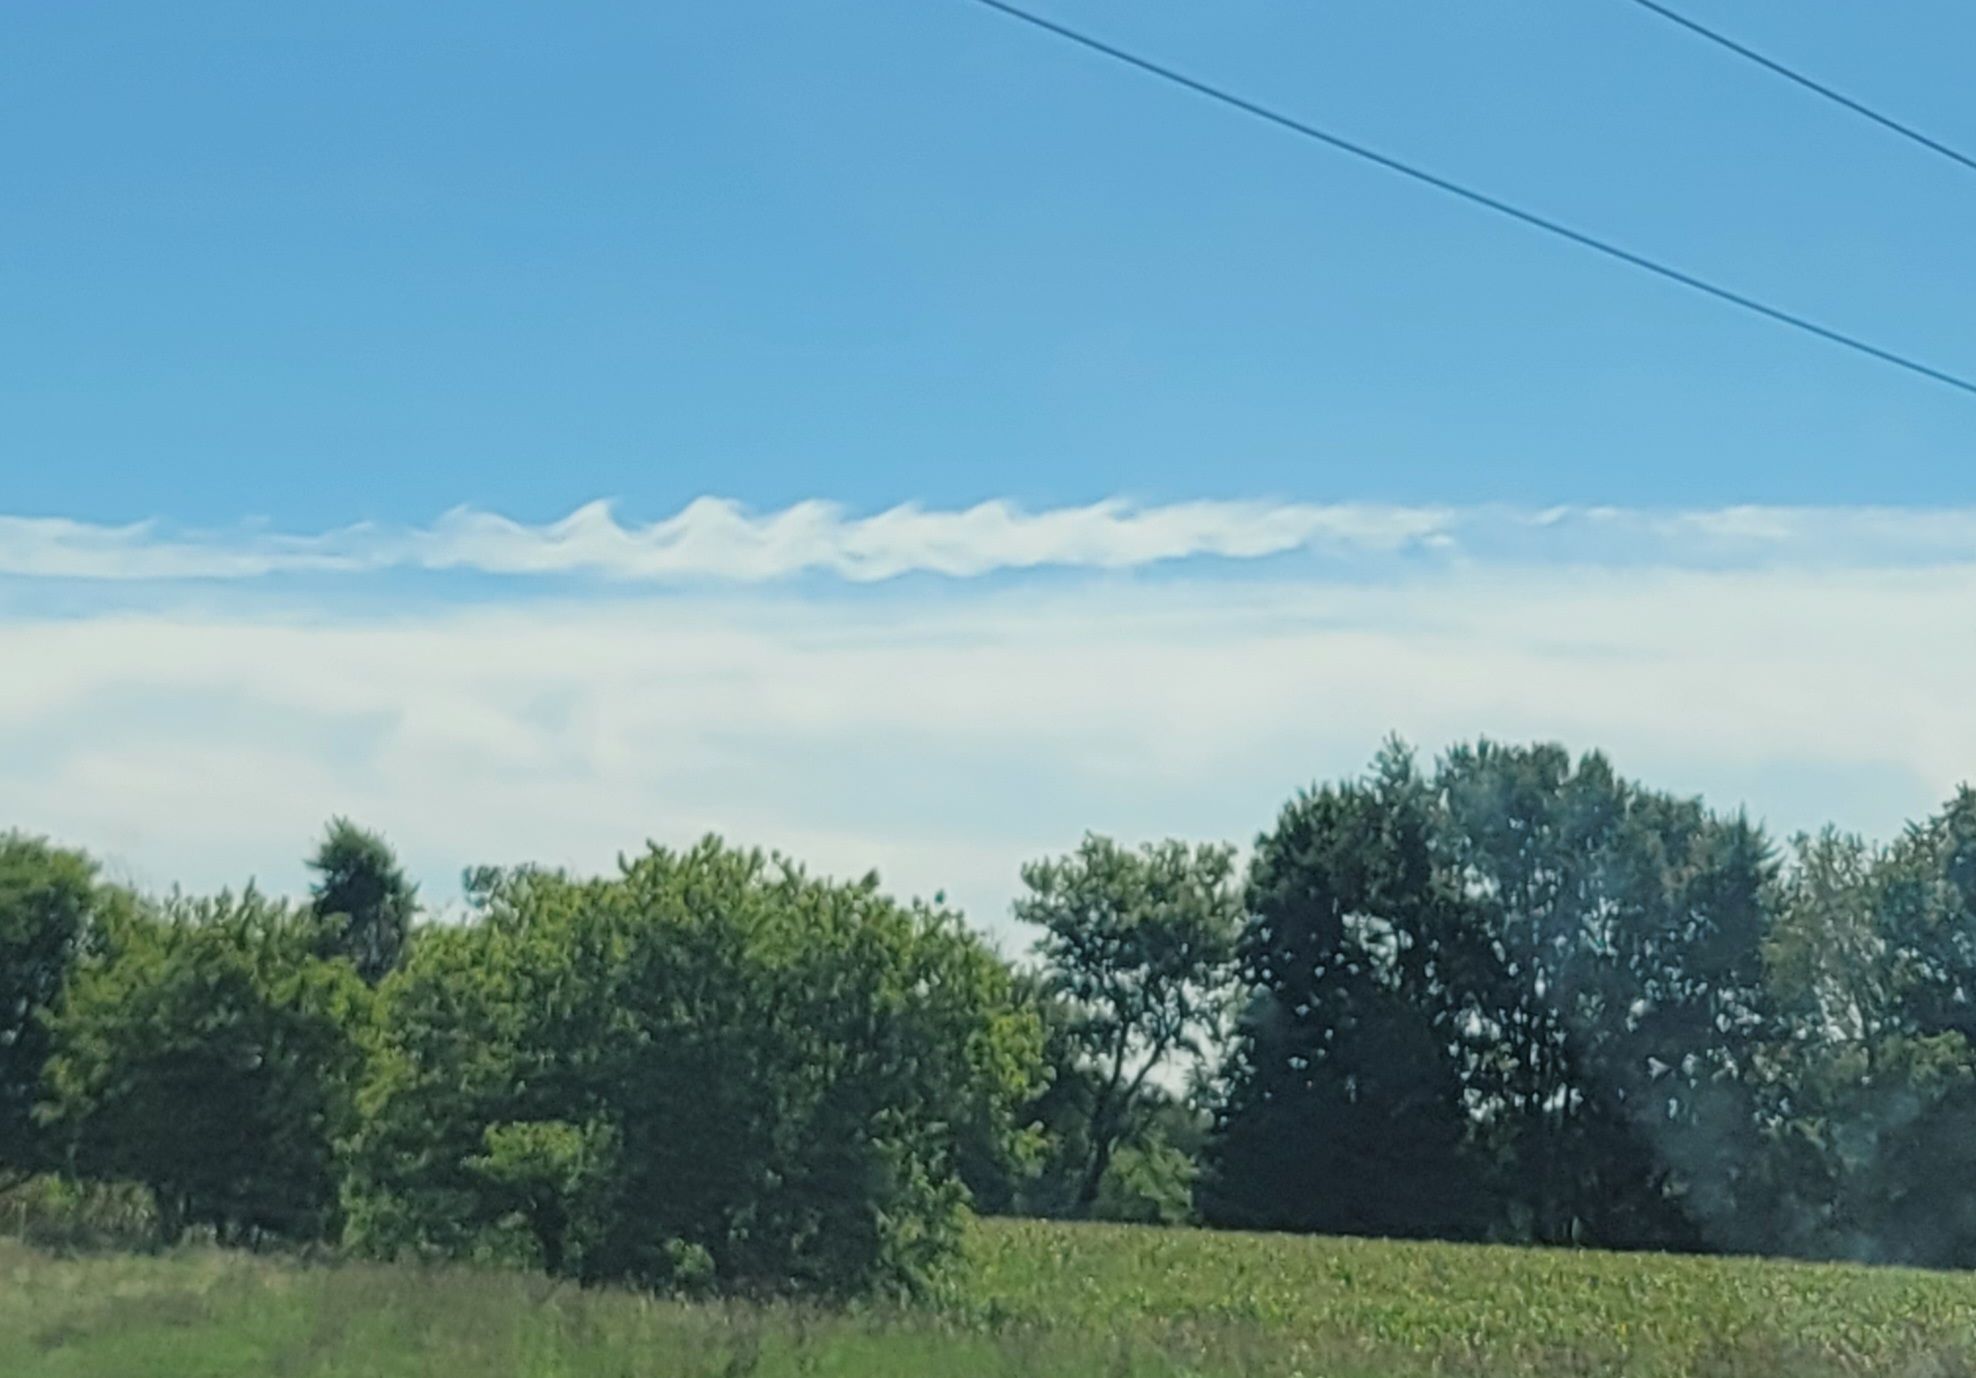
1033, 1299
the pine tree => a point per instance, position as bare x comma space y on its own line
362, 899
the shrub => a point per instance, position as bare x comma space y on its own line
710, 1067
207, 1054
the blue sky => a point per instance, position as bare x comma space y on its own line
321, 264
286, 286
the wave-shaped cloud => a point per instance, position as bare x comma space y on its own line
718, 540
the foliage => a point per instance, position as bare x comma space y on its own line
362, 899
1138, 944
1035, 1170
1148, 1183
1867, 1085
710, 1063
1345, 1108
206, 1053
49, 900
1040, 1172
1518, 999
69, 1215
1927, 919
1513, 997
556, 1177
1630, 927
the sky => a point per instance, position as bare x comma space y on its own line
880, 431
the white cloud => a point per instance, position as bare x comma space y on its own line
717, 540
945, 736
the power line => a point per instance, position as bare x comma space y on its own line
1439, 183
1816, 87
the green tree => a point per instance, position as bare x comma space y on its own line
708, 1066
206, 1052
362, 898
1041, 1172
1031, 1172
1868, 1080
554, 1178
1149, 1183
1139, 944
49, 899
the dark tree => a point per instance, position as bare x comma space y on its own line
362, 898
1345, 1110
1927, 919
1628, 929
1521, 999
1867, 1084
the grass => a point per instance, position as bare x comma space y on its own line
1032, 1299
207, 1314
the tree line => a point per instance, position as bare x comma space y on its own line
1507, 996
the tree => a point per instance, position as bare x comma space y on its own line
1140, 945
554, 1176
1344, 1109
206, 1052
1035, 1171
1927, 918
710, 1067
1040, 1172
49, 899
362, 898
1520, 998
1149, 1184
1628, 927
1868, 1080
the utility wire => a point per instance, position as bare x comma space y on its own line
1816, 87
1453, 188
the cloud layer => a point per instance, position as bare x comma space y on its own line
716, 540
945, 735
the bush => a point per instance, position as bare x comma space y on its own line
66, 1216
708, 1068
204, 1052
1148, 1184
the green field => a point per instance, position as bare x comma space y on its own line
1032, 1299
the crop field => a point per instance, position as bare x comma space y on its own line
1032, 1298
1287, 1304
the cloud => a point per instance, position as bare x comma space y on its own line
944, 735
714, 540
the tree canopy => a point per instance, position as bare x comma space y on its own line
1137, 944
207, 1052
711, 1065
50, 903
1507, 994
362, 899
